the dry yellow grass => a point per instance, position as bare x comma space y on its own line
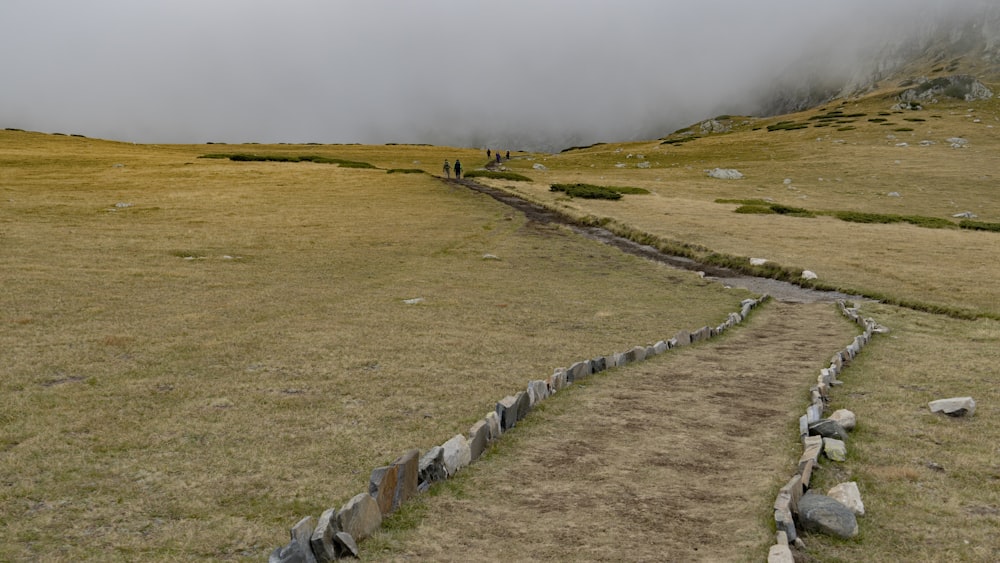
934, 266
199, 352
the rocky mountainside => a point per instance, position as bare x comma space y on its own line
931, 44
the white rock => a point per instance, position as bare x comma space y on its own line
413, 301
490, 257
725, 174
787, 181
809, 275
965, 215
845, 418
893, 194
848, 495
758, 261
457, 454
955, 406
538, 166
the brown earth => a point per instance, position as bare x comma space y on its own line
674, 459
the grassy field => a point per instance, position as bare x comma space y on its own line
199, 352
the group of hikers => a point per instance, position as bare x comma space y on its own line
458, 169
447, 168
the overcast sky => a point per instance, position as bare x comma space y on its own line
458, 72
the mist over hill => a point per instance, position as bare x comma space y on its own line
514, 75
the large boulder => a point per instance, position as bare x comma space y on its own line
322, 537
845, 418
828, 429
821, 514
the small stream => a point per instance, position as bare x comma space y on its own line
780, 290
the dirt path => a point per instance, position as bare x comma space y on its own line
673, 459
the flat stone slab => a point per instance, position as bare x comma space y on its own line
456, 454
955, 406
298, 549
431, 468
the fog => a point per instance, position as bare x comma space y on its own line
534, 74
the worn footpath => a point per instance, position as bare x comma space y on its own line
672, 459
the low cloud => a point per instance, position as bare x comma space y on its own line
513, 74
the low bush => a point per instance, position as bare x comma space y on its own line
918, 220
979, 225
243, 157
791, 211
404, 171
903, 129
586, 191
755, 209
786, 126
512, 176
679, 140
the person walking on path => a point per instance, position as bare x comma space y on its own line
458, 169
447, 169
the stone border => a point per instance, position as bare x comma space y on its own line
336, 532
813, 442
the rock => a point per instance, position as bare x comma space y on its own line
493, 423
955, 406
828, 429
758, 261
507, 412
683, 338
298, 550
538, 391
578, 371
345, 545
414, 301
431, 467
490, 257
965, 215
845, 418
812, 446
893, 194
538, 166
714, 126
382, 487
456, 454
408, 477
725, 174
322, 537
820, 513
478, 439
834, 449
523, 405
957, 142
360, 516
809, 275
961, 86
848, 495
780, 554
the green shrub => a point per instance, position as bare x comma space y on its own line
679, 140
627, 190
404, 171
243, 157
979, 225
846, 128
512, 176
878, 120
582, 147
920, 221
586, 191
915, 119
786, 126
755, 209
903, 129
792, 211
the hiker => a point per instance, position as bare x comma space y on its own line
508, 155
458, 169
498, 157
487, 154
447, 169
